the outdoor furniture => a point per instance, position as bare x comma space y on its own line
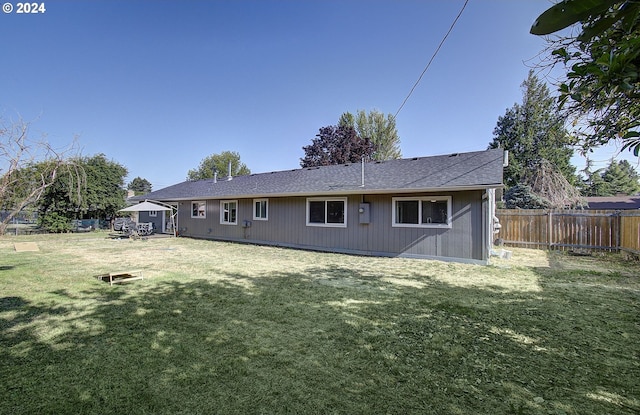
145, 228
123, 276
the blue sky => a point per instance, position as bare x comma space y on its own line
158, 85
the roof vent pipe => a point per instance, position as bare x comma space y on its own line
215, 175
505, 159
229, 176
362, 173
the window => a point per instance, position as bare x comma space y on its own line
327, 212
153, 213
198, 209
229, 212
260, 207
426, 212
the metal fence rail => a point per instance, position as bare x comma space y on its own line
602, 230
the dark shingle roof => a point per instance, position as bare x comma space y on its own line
475, 170
613, 202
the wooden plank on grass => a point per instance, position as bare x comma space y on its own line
123, 276
26, 247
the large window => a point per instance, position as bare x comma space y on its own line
427, 212
327, 212
260, 207
198, 209
229, 212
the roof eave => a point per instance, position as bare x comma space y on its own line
342, 192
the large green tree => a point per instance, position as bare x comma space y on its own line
619, 178
377, 127
534, 131
140, 186
101, 196
219, 163
28, 168
601, 57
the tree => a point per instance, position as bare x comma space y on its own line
379, 129
219, 163
533, 131
337, 145
101, 196
602, 60
521, 196
27, 169
140, 186
619, 178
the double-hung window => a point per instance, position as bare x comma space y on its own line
327, 212
198, 209
260, 209
425, 212
229, 212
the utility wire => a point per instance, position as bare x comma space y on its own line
432, 57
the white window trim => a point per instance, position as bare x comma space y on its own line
153, 213
254, 209
327, 199
222, 221
421, 225
205, 209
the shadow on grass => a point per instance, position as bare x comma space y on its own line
292, 344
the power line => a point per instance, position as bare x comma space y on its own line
432, 57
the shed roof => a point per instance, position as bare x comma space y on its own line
458, 171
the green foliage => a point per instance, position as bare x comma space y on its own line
54, 222
534, 131
219, 163
337, 145
140, 186
521, 196
100, 197
602, 61
377, 127
619, 178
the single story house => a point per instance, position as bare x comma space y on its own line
439, 207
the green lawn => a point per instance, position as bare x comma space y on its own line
239, 329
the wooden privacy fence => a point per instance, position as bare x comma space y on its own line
608, 230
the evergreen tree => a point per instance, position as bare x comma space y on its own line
140, 186
534, 131
619, 178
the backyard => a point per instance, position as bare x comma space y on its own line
240, 329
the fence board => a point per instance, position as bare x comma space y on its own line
607, 230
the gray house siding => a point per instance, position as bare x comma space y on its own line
145, 216
286, 226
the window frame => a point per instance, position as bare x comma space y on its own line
204, 210
327, 224
420, 200
154, 213
266, 209
222, 212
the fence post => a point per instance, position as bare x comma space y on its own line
549, 228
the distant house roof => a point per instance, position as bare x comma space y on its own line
614, 202
459, 171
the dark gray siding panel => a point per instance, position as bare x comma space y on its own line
286, 225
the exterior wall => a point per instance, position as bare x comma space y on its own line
157, 220
286, 226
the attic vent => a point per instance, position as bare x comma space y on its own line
453, 155
415, 158
378, 162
